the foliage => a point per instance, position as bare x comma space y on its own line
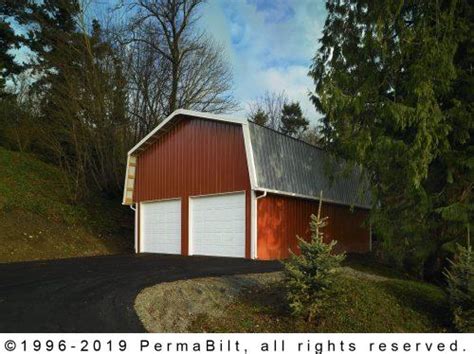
77, 103
88, 129
260, 117
358, 303
460, 279
312, 136
271, 104
274, 110
8, 40
310, 275
292, 122
394, 86
19, 123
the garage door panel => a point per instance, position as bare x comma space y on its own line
218, 225
161, 227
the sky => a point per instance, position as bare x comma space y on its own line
269, 45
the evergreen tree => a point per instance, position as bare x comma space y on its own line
81, 95
292, 121
460, 279
84, 106
9, 40
310, 275
395, 91
259, 117
52, 26
454, 165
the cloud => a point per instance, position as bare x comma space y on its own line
269, 44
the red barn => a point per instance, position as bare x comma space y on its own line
205, 184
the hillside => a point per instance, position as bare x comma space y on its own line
38, 221
367, 297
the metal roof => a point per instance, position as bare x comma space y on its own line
293, 167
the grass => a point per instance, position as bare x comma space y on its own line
39, 221
173, 306
355, 305
374, 299
368, 264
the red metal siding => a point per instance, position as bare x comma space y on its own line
281, 218
195, 157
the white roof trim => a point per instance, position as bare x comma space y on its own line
124, 198
186, 112
250, 158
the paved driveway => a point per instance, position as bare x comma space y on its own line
96, 294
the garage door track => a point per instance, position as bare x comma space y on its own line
96, 294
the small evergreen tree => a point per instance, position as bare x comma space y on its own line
310, 274
292, 121
260, 117
461, 288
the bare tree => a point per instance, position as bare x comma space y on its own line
19, 114
206, 81
144, 72
192, 71
312, 136
270, 103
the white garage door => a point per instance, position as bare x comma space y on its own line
218, 225
161, 227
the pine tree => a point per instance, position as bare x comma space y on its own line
53, 26
460, 280
292, 121
311, 274
260, 117
81, 93
8, 40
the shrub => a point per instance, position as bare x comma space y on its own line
460, 278
310, 274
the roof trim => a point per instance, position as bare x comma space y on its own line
250, 158
124, 197
189, 113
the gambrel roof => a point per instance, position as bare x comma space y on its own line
277, 164
285, 164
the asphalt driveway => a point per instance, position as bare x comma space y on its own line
96, 294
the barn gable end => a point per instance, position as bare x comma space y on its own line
194, 157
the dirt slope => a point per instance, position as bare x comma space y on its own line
39, 221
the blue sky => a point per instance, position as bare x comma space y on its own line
269, 44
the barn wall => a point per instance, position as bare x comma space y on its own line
195, 157
281, 218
